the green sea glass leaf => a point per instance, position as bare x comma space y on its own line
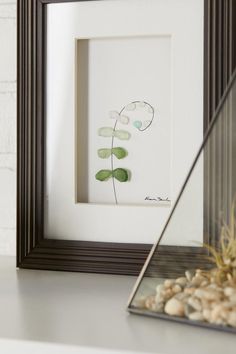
122, 134
103, 175
121, 174
119, 152
105, 132
104, 153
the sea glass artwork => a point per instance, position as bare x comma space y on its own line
121, 174
117, 101
185, 280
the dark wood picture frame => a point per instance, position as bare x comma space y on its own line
33, 251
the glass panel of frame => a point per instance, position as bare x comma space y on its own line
185, 279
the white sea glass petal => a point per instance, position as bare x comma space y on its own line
124, 119
140, 104
131, 107
114, 114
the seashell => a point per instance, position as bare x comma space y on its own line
168, 283
228, 291
174, 307
182, 281
189, 275
196, 316
197, 280
208, 294
176, 289
150, 302
216, 312
232, 319
182, 297
206, 314
190, 291
195, 303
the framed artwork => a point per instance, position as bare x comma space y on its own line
113, 97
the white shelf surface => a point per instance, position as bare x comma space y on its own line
63, 313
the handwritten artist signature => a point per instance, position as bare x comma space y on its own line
158, 199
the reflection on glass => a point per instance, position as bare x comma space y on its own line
190, 275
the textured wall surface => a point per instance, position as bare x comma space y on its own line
7, 126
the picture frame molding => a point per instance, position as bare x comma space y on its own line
33, 251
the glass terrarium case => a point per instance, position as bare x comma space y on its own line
190, 274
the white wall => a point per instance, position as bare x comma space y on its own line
7, 126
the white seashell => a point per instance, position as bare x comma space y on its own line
196, 316
198, 272
228, 291
206, 304
208, 294
150, 303
224, 314
140, 302
174, 307
207, 314
216, 313
232, 319
176, 289
182, 297
195, 303
182, 281
159, 288
189, 291
189, 275
233, 299
205, 283
168, 283
197, 280
167, 294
